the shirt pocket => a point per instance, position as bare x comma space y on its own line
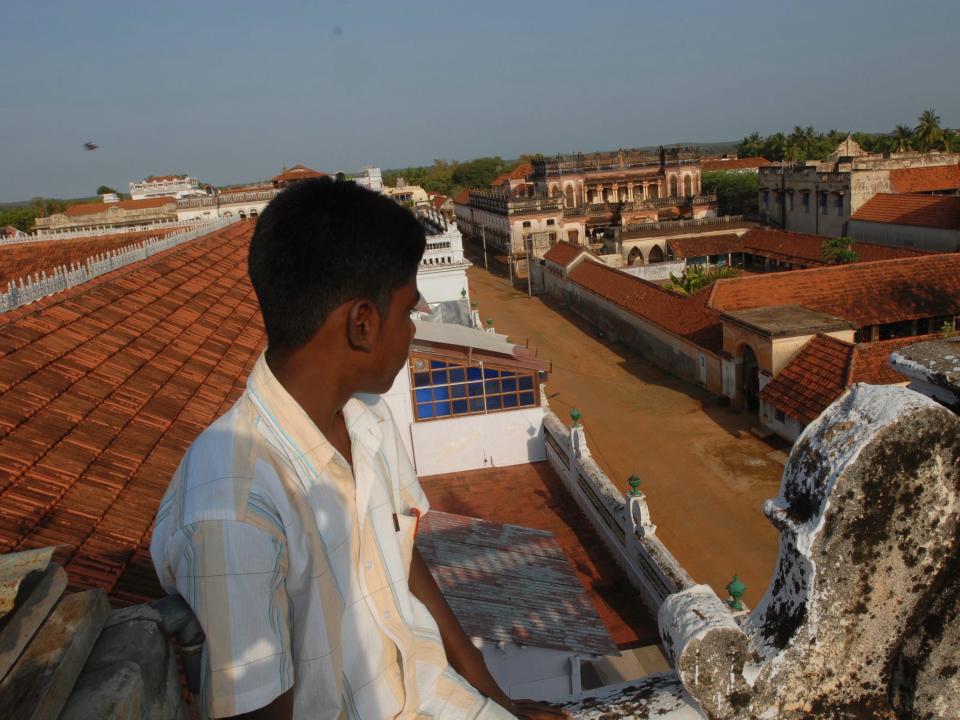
406, 535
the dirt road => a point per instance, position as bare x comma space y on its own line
704, 481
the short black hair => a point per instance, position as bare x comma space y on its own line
322, 243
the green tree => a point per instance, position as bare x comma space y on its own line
902, 138
697, 277
736, 191
104, 189
838, 251
928, 131
751, 145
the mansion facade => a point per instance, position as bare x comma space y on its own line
580, 199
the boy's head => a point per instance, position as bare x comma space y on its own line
321, 246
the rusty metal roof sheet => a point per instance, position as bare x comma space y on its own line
511, 583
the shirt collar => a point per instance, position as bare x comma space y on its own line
290, 420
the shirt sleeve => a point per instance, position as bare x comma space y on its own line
232, 576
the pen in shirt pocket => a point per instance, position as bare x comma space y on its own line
415, 513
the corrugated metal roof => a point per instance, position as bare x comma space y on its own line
511, 583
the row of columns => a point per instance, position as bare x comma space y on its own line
646, 190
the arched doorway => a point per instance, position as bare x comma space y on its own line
674, 187
243, 215
568, 199
635, 257
688, 186
253, 213
656, 254
653, 192
751, 380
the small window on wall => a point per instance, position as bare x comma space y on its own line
551, 221
447, 389
526, 223
779, 415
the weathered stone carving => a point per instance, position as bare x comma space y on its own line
861, 617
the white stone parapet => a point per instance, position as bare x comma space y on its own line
621, 520
27, 289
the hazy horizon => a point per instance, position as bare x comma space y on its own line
233, 93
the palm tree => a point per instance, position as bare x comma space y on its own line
928, 131
902, 138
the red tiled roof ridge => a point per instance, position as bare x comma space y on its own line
41, 304
563, 253
96, 208
936, 211
104, 386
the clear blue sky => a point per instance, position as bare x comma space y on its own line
233, 91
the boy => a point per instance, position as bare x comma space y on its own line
289, 525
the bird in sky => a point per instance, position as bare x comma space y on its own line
90, 146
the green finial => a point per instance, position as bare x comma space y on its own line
473, 305
736, 588
463, 293
634, 482
489, 322
575, 416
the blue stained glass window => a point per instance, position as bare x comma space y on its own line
423, 395
458, 391
439, 377
441, 392
506, 373
438, 365
476, 404
457, 375
474, 373
459, 407
490, 373
424, 411
493, 403
509, 384
526, 382
476, 389
509, 401
526, 399
421, 379
493, 386
442, 409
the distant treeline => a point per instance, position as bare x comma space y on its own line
807, 144
22, 215
450, 177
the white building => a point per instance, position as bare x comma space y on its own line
370, 178
442, 276
468, 399
178, 186
244, 202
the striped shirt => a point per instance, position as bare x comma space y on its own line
297, 566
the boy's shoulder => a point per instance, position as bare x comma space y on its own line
225, 464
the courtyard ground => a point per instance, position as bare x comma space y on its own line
705, 476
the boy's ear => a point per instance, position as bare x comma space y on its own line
363, 325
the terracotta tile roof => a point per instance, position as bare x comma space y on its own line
297, 172
937, 178
102, 388
933, 211
101, 207
20, 259
462, 197
824, 368
511, 583
521, 172
812, 380
691, 247
533, 496
749, 163
563, 253
804, 249
688, 317
866, 293
438, 201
